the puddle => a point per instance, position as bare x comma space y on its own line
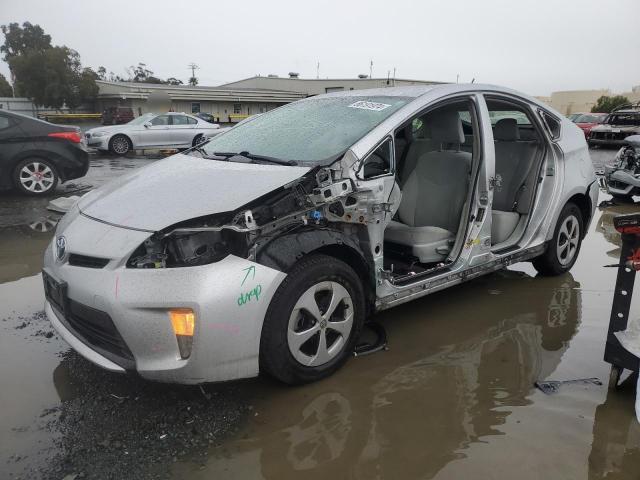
453, 397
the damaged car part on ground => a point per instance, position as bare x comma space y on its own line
622, 177
388, 195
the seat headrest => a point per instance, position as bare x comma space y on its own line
506, 130
445, 127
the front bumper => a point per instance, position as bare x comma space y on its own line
101, 143
227, 334
621, 182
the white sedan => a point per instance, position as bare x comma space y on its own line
152, 130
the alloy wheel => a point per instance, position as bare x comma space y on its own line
320, 323
568, 240
120, 145
37, 177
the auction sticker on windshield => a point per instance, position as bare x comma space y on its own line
376, 107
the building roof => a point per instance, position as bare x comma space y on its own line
199, 93
315, 86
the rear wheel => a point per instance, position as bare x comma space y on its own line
35, 176
562, 251
313, 321
120, 145
198, 140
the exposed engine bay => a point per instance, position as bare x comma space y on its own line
322, 199
629, 159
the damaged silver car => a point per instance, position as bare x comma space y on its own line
622, 177
267, 248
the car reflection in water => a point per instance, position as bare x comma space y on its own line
459, 361
606, 228
22, 247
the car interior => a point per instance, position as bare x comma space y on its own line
437, 157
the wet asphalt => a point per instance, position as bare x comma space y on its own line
453, 397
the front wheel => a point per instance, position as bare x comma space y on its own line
562, 251
313, 321
120, 145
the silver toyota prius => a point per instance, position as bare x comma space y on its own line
268, 247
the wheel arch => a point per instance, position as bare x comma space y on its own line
284, 252
125, 135
583, 202
48, 156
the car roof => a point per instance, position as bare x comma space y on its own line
443, 89
626, 111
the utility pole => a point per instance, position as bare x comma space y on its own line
318, 70
193, 80
371, 69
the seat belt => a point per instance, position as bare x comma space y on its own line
523, 187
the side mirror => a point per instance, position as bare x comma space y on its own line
147, 124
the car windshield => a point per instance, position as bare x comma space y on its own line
312, 131
142, 119
624, 119
588, 118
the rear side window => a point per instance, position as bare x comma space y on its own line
4, 122
551, 124
191, 121
180, 120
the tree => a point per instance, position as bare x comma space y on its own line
5, 87
606, 104
51, 76
173, 81
87, 87
21, 40
193, 81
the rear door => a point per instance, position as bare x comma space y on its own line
183, 129
12, 141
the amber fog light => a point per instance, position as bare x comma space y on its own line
183, 321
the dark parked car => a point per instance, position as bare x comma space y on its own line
35, 155
117, 115
623, 122
207, 117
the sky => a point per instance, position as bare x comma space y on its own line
536, 46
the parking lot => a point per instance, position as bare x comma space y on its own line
453, 396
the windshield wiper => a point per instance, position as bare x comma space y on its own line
252, 156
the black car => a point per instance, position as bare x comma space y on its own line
36, 155
207, 117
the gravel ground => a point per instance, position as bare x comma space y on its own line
112, 426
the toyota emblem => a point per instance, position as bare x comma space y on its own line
61, 247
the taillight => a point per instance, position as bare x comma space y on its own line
74, 137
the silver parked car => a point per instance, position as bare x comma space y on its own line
152, 130
267, 252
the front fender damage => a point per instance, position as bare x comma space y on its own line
320, 211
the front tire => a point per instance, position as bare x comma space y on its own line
313, 321
35, 177
562, 251
120, 145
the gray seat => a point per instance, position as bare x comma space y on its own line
511, 195
434, 193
